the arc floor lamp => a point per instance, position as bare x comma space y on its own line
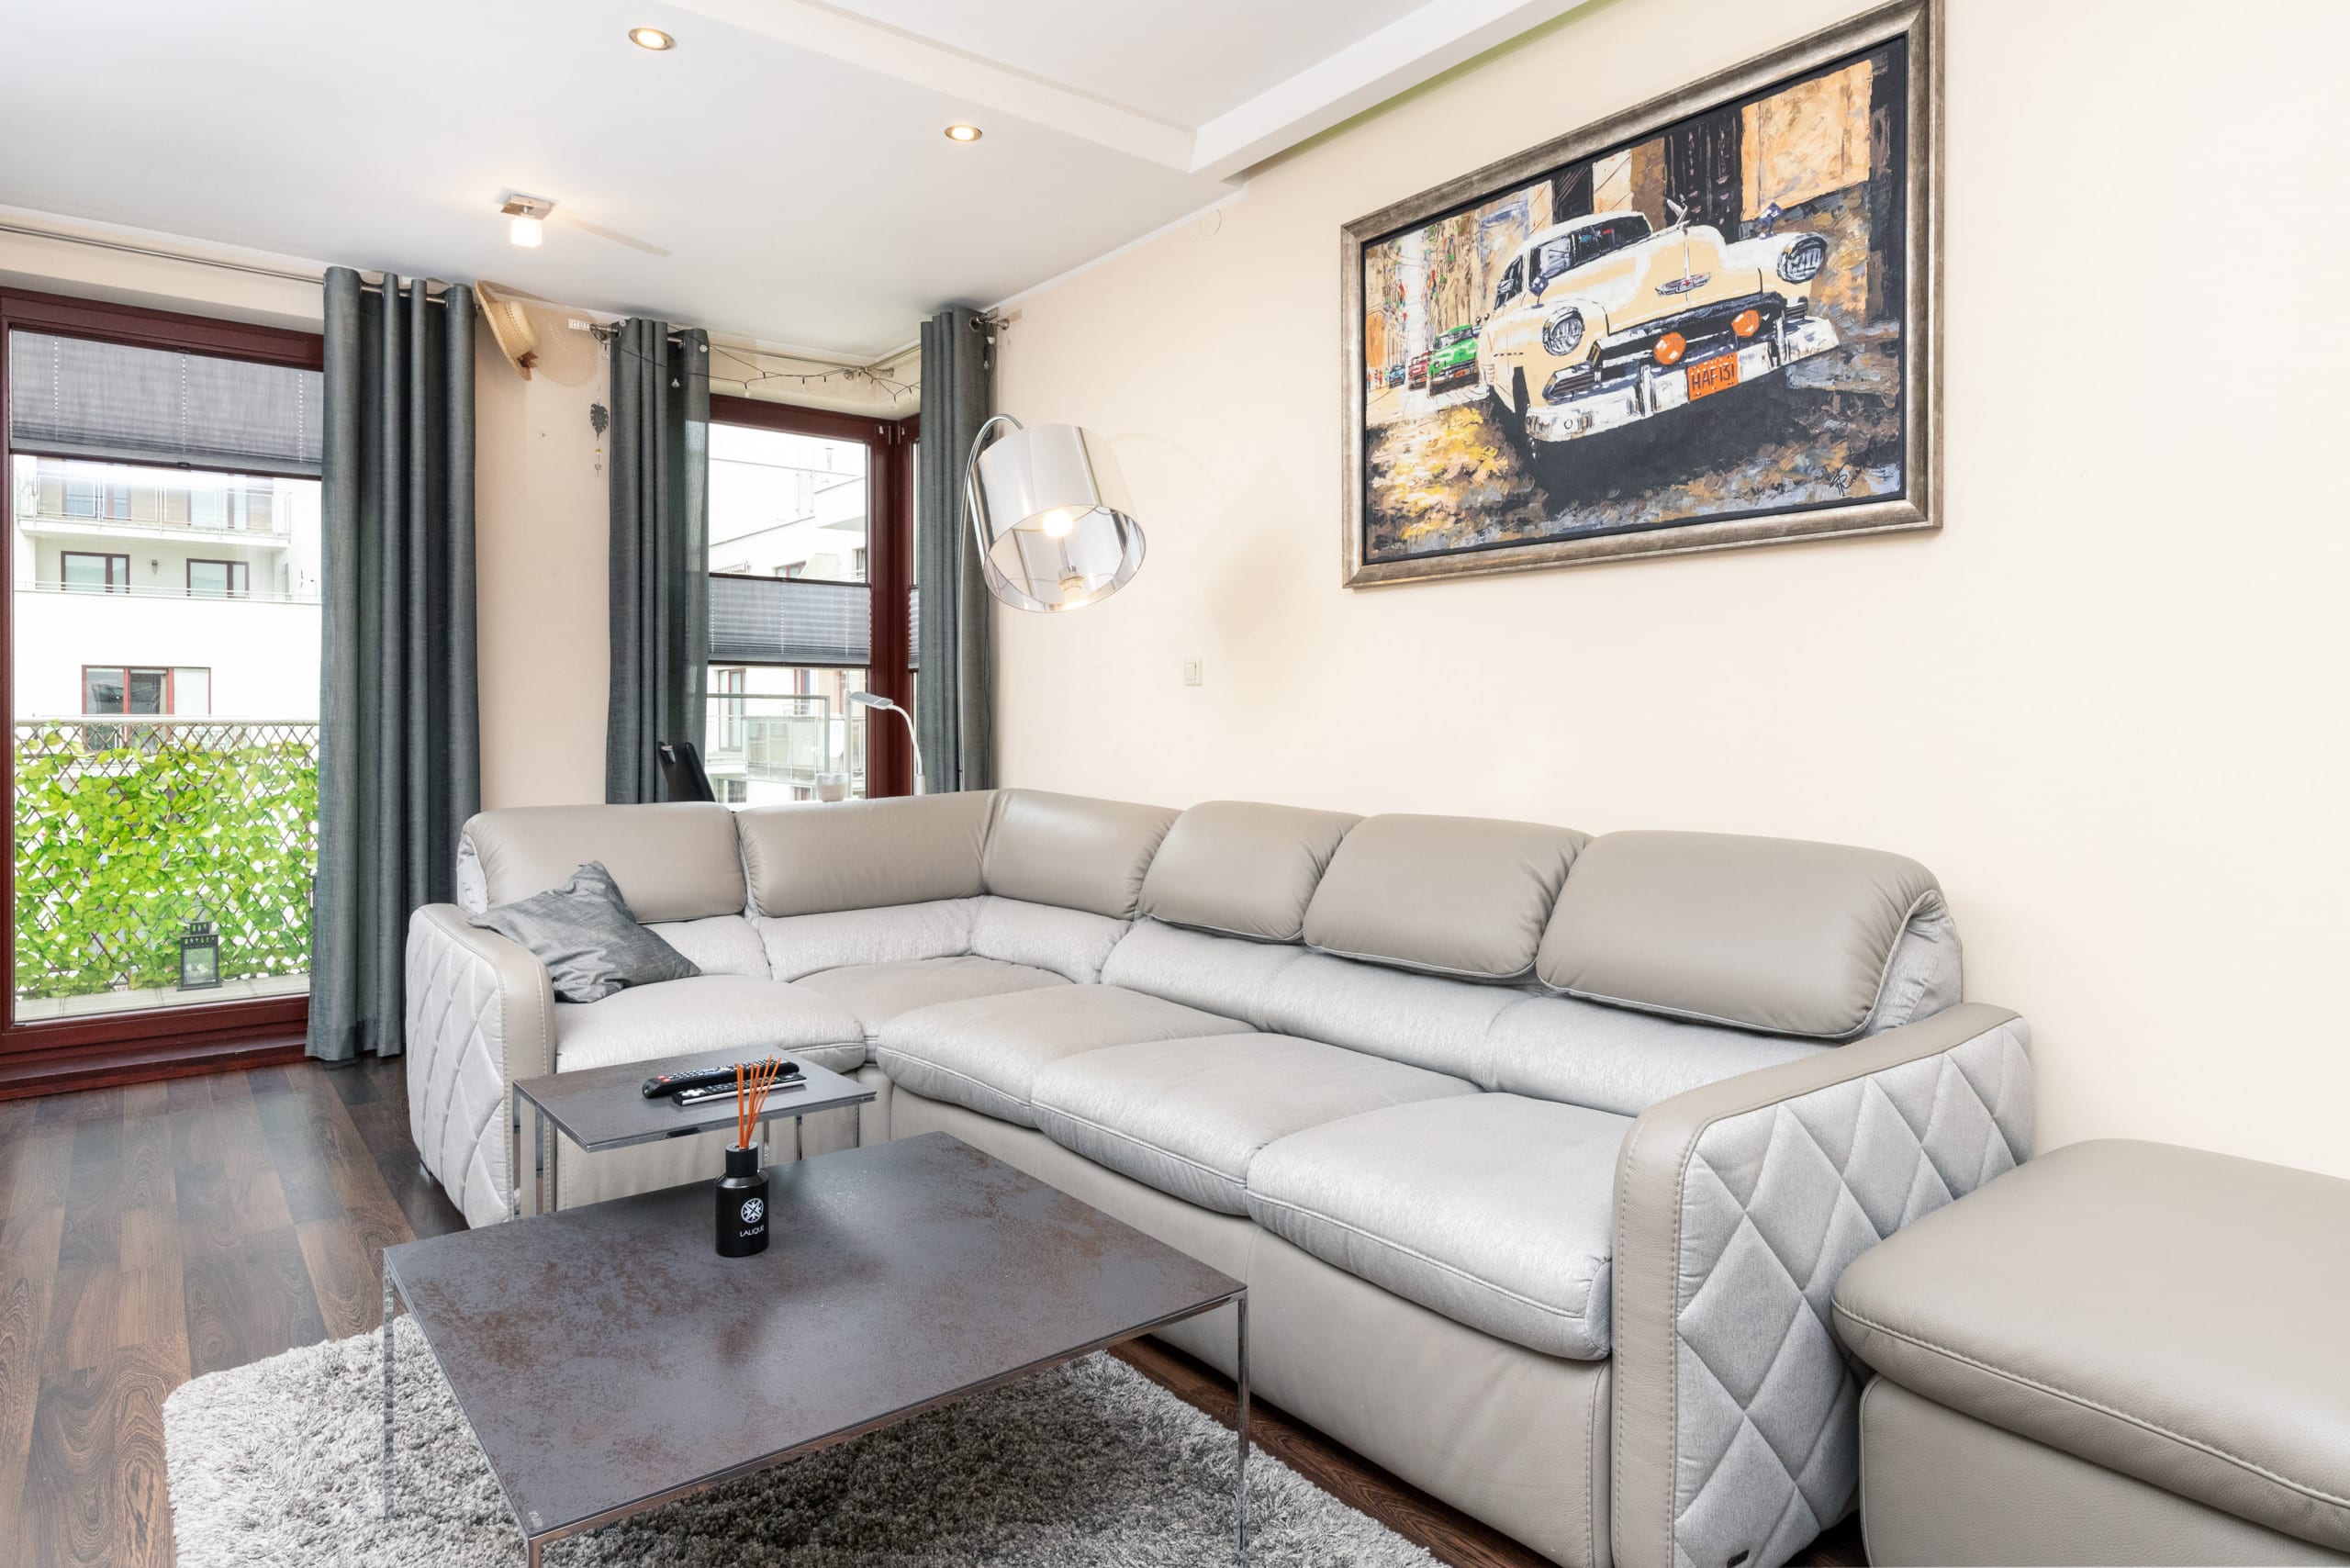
1048, 507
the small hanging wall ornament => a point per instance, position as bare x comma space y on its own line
600, 419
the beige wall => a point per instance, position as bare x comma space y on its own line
540, 528
2103, 704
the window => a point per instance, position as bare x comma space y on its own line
137, 688
805, 512
81, 572
1587, 244
727, 689
219, 579
124, 429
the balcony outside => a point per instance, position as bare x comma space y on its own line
166, 629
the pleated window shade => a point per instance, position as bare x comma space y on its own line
790, 621
117, 403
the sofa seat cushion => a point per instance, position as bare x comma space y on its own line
985, 1052
2173, 1314
707, 1012
1187, 1116
1492, 1209
878, 993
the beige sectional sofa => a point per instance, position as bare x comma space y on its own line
1541, 1153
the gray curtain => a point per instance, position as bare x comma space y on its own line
954, 690
660, 552
400, 728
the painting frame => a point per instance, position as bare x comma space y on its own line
1918, 506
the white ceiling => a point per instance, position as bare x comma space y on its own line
781, 174
1185, 62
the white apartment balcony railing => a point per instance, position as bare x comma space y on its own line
82, 590
273, 531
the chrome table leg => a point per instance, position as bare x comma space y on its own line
387, 1393
513, 1152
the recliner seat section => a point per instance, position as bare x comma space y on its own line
1540, 1152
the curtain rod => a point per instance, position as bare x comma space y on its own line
124, 246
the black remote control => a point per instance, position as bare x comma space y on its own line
709, 1091
701, 1078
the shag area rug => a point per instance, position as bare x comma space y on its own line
276, 1465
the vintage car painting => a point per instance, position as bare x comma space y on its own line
1454, 361
1600, 321
1705, 323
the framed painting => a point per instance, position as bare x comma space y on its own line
1706, 322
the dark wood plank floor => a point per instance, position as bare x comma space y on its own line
159, 1232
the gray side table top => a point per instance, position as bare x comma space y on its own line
603, 1107
608, 1359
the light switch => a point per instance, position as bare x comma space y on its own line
1193, 673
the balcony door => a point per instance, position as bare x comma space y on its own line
811, 559
161, 634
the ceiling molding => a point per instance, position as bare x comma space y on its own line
1362, 75
888, 52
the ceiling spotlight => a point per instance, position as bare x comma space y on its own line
962, 133
525, 214
651, 38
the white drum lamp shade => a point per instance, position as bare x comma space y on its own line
1049, 508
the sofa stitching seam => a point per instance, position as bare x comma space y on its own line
2314, 1493
1498, 1289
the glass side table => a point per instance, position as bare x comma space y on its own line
605, 1107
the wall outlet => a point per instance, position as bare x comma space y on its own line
1193, 674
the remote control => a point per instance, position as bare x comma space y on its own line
701, 1078
726, 1091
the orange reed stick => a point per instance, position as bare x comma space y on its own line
751, 1097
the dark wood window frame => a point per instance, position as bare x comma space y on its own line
54, 1054
108, 556
890, 560
236, 570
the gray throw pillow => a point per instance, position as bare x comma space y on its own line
587, 938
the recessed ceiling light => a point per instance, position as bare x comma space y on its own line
651, 38
962, 133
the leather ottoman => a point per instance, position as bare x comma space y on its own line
2118, 1352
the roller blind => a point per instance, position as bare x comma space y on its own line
790, 621
118, 403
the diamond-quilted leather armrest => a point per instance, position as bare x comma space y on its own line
480, 1014
1736, 1206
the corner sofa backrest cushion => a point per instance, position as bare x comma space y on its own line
1239, 868
819, 858
1770, 933
671, 861
1461, 896
1072, 851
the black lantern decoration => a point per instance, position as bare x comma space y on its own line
199, 957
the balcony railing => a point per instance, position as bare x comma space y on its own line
129, 828
783, 739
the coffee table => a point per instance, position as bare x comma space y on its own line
604, 1107
608, 1360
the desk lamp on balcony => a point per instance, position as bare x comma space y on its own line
1048, 506
879, 704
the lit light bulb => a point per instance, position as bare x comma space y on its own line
525, 231
1058, 522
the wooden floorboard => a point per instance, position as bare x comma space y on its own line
157, 1232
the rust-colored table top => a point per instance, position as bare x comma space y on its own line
607, 1357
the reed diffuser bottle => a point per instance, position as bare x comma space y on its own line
742, 1206
742, 1220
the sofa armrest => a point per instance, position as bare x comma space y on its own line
1736, 1206
480, 1014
